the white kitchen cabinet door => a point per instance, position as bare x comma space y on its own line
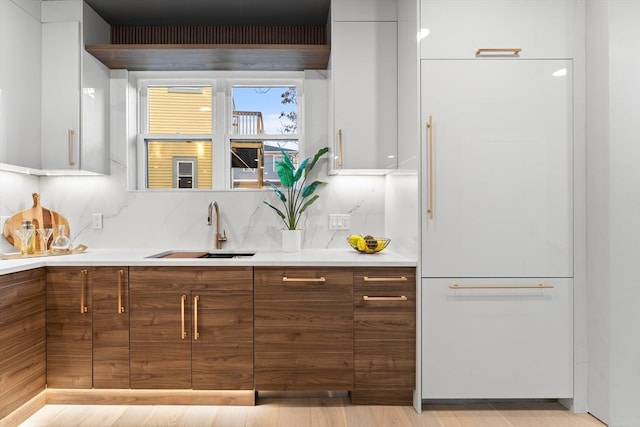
494, 343
20, 64
364, 77
456, 29
75, 102
95, 115
364, 10
497, 168
61, 95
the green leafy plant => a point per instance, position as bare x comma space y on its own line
295, 192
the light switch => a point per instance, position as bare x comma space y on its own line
339, 221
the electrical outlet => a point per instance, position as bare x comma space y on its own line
96, 221
339, 221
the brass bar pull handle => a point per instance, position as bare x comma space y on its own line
398, 298
83, 286
430, 168
183, 299
120, 277
340, 147
196, 335
70, 134
537, 286
384, 279
303, 279
513, 51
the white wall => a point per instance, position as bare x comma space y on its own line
613, 209
177, 219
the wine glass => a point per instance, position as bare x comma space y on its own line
45, 235
24, 235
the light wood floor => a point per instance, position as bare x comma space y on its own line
316, 412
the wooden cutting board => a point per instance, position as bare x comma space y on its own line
41, 218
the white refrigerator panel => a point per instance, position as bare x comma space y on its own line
497, 338
497, 168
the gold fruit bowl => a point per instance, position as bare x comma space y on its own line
368, 244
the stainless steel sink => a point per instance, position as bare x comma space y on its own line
228, 255
203, 254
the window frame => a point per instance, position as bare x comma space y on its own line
222, 134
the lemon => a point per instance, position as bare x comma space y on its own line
354, 239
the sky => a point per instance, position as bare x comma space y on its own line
264, 99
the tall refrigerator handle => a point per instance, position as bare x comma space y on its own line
430, 165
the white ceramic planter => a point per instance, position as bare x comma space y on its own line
291, 240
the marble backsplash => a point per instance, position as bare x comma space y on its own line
178, 219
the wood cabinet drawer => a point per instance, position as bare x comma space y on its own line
384, 335
303, 329
303, 284
385, 356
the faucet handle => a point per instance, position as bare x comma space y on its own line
223, 238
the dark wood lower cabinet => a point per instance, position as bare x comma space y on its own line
87, 327
22, 338
110, 302
191, 328
303, 328
385, 336
208, 329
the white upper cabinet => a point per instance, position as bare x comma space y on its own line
75, 90
497, 169
20, 64
457, 29
364, 87
364, 10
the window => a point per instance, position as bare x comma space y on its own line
264, 122
215, 133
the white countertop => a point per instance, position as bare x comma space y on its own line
139, 257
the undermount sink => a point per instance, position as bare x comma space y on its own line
202, 254
228, 255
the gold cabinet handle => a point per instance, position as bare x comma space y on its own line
196, 335
536, 286
339, 147
386, 298
384, 279
83, 285
120, 277
183, 299
512, 51
303, 279
70, 134
430, 167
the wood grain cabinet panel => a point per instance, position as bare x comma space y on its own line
192, 328
384, 335
303, 329
87, 327
69, 337
22, 334
110, 302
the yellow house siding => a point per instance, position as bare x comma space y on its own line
160, 162
175, 112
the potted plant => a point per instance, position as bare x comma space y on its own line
295, 194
